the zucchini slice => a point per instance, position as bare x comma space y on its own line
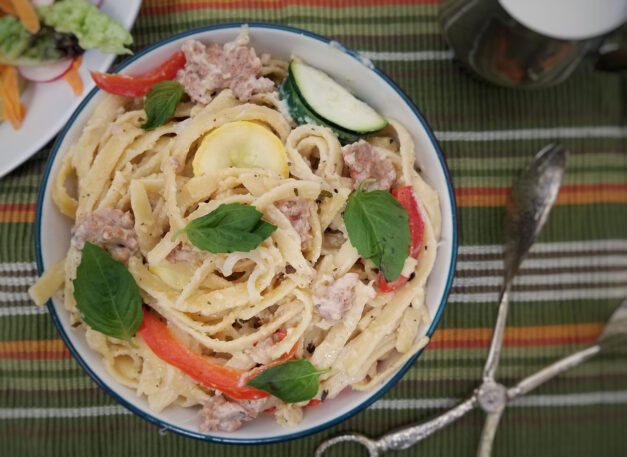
303, 115
332, 102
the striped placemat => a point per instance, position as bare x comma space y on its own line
574, 278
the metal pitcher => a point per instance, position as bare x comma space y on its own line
532, 43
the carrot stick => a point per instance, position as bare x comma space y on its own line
7, 7
12, 109
27, 15
73, 78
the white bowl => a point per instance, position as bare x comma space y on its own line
365, 80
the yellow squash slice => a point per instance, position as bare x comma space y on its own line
241, 144
175, 275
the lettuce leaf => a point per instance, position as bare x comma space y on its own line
19, 47
93, 29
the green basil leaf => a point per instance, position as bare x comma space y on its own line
292, 382
161, 102
231, 227
106, 294
378, 227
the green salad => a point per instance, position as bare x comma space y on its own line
68, 27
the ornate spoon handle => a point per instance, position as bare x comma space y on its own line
496, 344
406, 437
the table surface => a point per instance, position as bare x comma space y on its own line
574, 278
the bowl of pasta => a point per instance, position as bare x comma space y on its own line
247, 234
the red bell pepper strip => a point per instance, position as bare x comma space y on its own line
138, 86
227, 380
386, 287
406, 197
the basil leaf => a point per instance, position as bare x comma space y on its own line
378, 227
161, 102
106, 294
229, 228
292, 382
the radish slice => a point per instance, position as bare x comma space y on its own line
46, 73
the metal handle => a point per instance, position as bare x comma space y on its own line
494, 354
489, 432
542, 376
406, 437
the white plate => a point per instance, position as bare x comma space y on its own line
50, 105
52, 230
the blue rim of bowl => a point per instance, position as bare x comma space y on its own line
290, 436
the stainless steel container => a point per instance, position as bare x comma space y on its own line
513, 45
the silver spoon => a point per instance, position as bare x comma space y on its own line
532, 197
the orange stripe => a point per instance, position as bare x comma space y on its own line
17, 212
34, 349
465, 196
547, 335
160, 7
569, 195
28, 216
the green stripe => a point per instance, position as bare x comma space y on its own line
527, 148
566, 223
562, 431
41, 367
38, 326
428, 83
577, 163
526, 314
48, 383
375, 22
17, 240
607, 177
510, 372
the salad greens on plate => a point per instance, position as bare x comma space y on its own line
43, 44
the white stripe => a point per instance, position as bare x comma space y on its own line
408, 56
542, 295
414, 403
555, 280
598, 131
466, 297
12, 297
22, 310
582, 399
599, 277
568, 246
49, 413
7, 267
558, 262
17, 280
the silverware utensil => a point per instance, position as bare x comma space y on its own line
614, 334
532, 197
528, 209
